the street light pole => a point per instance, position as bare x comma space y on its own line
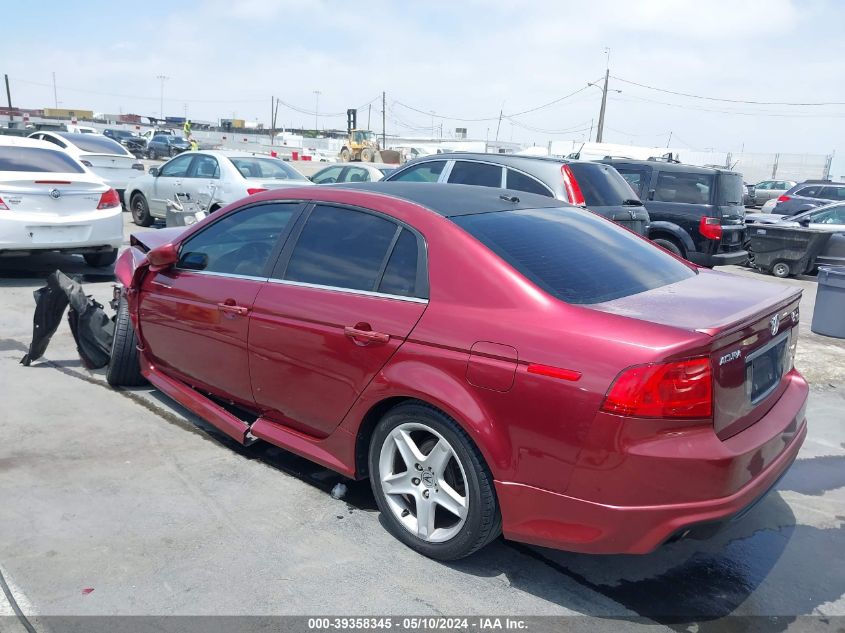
317, 94
600, 129
162, 79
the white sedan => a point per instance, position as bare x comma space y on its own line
50, 202
107, 158
212, 179
353, 172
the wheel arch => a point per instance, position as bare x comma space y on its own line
432, 387
672, 231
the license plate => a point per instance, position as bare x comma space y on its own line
765, 368
57, 234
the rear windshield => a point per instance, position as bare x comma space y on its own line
95, 144
602, 185
37, 159
265, 168
574, 255
730, 189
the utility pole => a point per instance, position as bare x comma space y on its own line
369, 113
317, 94
162, 79
9, 98
272, 119
55, 94
600, 131
383, 115
499, 124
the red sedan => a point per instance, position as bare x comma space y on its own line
494, 361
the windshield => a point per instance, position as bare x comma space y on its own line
574, 255
95, 144
266, 168
602, 185
37, 159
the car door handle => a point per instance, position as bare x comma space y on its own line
365, 336
230, 307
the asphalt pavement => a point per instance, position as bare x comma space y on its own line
118, 503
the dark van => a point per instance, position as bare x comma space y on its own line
696, 212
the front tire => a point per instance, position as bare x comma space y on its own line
101, 260
152, 154
124, 368
141, 210
367, 155
781, 270
345, 155
431, 483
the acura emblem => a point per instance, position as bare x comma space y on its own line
55, 194
774, 323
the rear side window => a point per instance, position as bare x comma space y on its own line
341, 248
833, 193
521, 182
574, 255
238, 244
810, 192
424, 172
468, 173
636, 179
601, 185
683, 187
730, 189
400, 276
37, 159
97, 144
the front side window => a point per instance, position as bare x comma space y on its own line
764, 186
469, 173
428, 171
683, 187
574, 255
521, 182
327, 176
204, 167
835, 215
176, 167
341, 248
833, 193
238, 244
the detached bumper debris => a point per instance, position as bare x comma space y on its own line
92, 328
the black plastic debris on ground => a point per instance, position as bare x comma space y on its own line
92, 328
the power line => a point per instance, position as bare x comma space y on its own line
759, 113
694, 96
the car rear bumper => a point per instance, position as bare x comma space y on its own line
718, 259
81, 232
564, 521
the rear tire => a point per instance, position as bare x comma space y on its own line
124, 368
152, 154
669, 245
140, 210
101, 260
459, 482
781, 270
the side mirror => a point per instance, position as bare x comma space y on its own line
163, 256
153, 171
651, 194
804, 222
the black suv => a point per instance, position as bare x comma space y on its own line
593, 185
808, 195
696, 212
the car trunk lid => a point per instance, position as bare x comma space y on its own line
50, 194
752, 333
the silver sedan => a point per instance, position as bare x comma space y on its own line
212, 179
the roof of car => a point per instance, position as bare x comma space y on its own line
667, 166
502, 159
21, 141
451, 200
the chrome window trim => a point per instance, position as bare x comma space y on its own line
366, 293
216, 274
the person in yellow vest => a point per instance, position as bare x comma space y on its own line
187, 128
194, 145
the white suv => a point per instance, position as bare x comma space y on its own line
50, 202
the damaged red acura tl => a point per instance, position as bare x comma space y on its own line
494, 361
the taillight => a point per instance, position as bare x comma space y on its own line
784, 198
253, 190
86, 163
710, 228
570, 184
138, 166
109, 199
682, 389
3, 205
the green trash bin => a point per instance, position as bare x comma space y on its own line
829, 311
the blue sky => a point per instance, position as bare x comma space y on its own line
459, 59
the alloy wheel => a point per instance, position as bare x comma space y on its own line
424, 482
